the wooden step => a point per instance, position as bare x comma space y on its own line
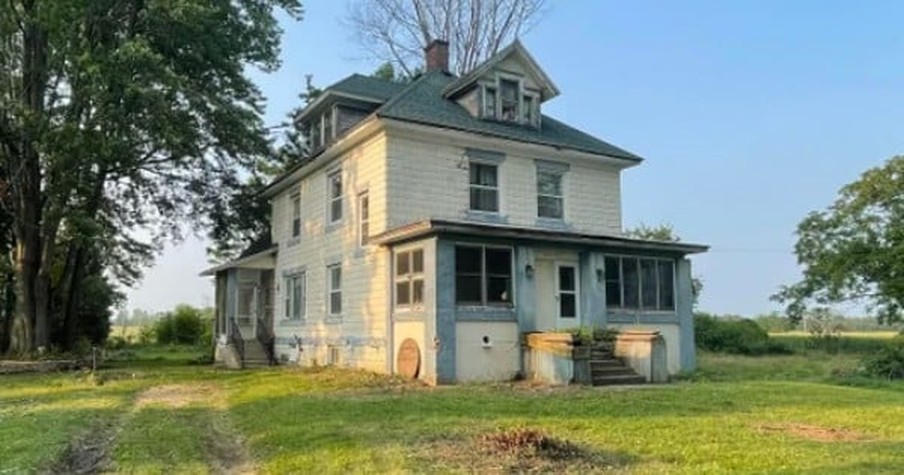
612, 380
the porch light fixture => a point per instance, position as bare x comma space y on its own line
529, 271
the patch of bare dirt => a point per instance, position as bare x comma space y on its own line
812, 432
87, 453
521, 451
180, 395
225, 451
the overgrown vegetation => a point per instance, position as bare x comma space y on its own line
736, 336
888, 362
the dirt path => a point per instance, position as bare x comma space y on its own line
225, 452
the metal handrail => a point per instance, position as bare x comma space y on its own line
235, 337
266, 338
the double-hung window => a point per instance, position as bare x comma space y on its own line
550, 200
334, 197
363, 218
484, 186
509, 96
295, 200
295, 298
409, 279
483, 275
640, 283
334, 289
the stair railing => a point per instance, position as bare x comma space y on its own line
235, 338
265, 337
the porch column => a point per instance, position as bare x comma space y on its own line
684, 307
232, 291
593, 295
443, 329
525, 289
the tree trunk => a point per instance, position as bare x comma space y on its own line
69, 291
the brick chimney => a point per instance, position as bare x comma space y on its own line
437, 53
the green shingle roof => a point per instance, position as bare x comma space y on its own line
366, 86
422, 102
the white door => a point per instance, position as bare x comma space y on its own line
567, 297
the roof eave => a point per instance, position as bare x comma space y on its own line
238, 262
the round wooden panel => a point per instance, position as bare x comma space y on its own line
409, 359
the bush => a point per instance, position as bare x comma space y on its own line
185, 325
737, 336
889, 362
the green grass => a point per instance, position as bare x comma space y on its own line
858, 343
730, 416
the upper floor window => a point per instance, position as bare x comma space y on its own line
640, 283
295, 200
507, 100
334, 289
509, 95
550, 201
409, 278
363, 218
334, 197
295, 298
489, 103
484, 187
483, 275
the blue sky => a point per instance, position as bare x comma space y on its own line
749, 115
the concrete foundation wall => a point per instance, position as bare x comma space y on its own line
498, 359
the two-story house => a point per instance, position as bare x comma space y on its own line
436, 222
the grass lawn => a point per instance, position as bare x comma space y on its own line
774, 414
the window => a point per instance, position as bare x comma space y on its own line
489, 103
484, 187
363, 218
640, 283
334, 289
295, 298
314, 134
527, 111
334, 196
327, 127
483, 276
549, 195
409, 279
295, 199
509, 95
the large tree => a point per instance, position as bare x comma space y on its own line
853, 251
398, 30
118, 116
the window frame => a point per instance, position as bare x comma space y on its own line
560, 175
476, 186
295, 311
409, 278
330, 290
331, 178
295, 210
485, 276
363, 218
658, 261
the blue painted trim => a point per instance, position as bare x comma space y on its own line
525, 289
232, 287
486, 315
485, 156
643, 318
685, 307
444, 324
593, 298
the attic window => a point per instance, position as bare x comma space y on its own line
509, 92
506, 100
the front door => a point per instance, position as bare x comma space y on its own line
567, 297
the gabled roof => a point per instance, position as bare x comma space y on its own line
548, 88
357, 87
423, 102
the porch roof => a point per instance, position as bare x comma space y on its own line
259, 260
430, 227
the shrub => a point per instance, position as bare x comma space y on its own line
888, 363
184, 325
737, 336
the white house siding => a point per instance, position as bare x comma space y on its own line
430, 180
359, 336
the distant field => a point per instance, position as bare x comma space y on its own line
856, 343
876, 334
129, 332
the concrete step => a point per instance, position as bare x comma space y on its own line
618, 379
601, 362
611, 371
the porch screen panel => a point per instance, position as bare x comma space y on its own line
631, 283
468, 274
613, 282
499, 276
666, 285
649, 274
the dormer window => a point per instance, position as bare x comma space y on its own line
509, 93
506, 99
489, 103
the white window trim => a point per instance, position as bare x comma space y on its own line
483, 279
330, 199
410, 277
560, 196
330, 290
497, 188
290, 294
362, 220
621, 282
294, 197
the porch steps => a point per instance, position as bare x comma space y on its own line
255, 355
607, 370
